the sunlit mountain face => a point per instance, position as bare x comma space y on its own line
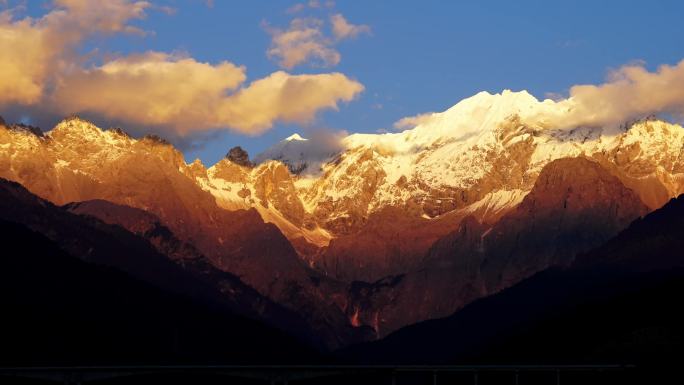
503, 226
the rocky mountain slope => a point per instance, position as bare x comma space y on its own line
77, 161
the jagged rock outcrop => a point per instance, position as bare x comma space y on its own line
239, 156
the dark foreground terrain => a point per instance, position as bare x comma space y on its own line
611, 316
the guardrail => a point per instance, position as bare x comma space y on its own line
291, 374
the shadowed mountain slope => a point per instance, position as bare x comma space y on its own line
617, 303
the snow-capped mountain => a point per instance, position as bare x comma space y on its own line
479, 158
487, 144
485, 147
356, 208
295, 151
304, 156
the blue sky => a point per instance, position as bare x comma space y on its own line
420, 55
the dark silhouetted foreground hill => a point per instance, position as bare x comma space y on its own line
59, 310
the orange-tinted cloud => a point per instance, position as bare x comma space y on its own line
41, 48
289, 98
23, 72
187, 95
303, 41
306, 41
342, 29
150, 89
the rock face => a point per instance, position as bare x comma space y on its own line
270, 189
574, 205
390, 243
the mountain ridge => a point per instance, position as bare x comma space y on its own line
375, 210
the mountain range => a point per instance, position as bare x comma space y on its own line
345, 240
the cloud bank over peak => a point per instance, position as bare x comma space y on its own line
412, 121
630, 92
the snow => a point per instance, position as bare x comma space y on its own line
62, 163
300, 154
495, 203
318, 236
294, 136
226, 193
469, 118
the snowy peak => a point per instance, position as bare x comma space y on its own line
472, 117
293, 137
301, 155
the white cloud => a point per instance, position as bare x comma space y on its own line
631, 92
